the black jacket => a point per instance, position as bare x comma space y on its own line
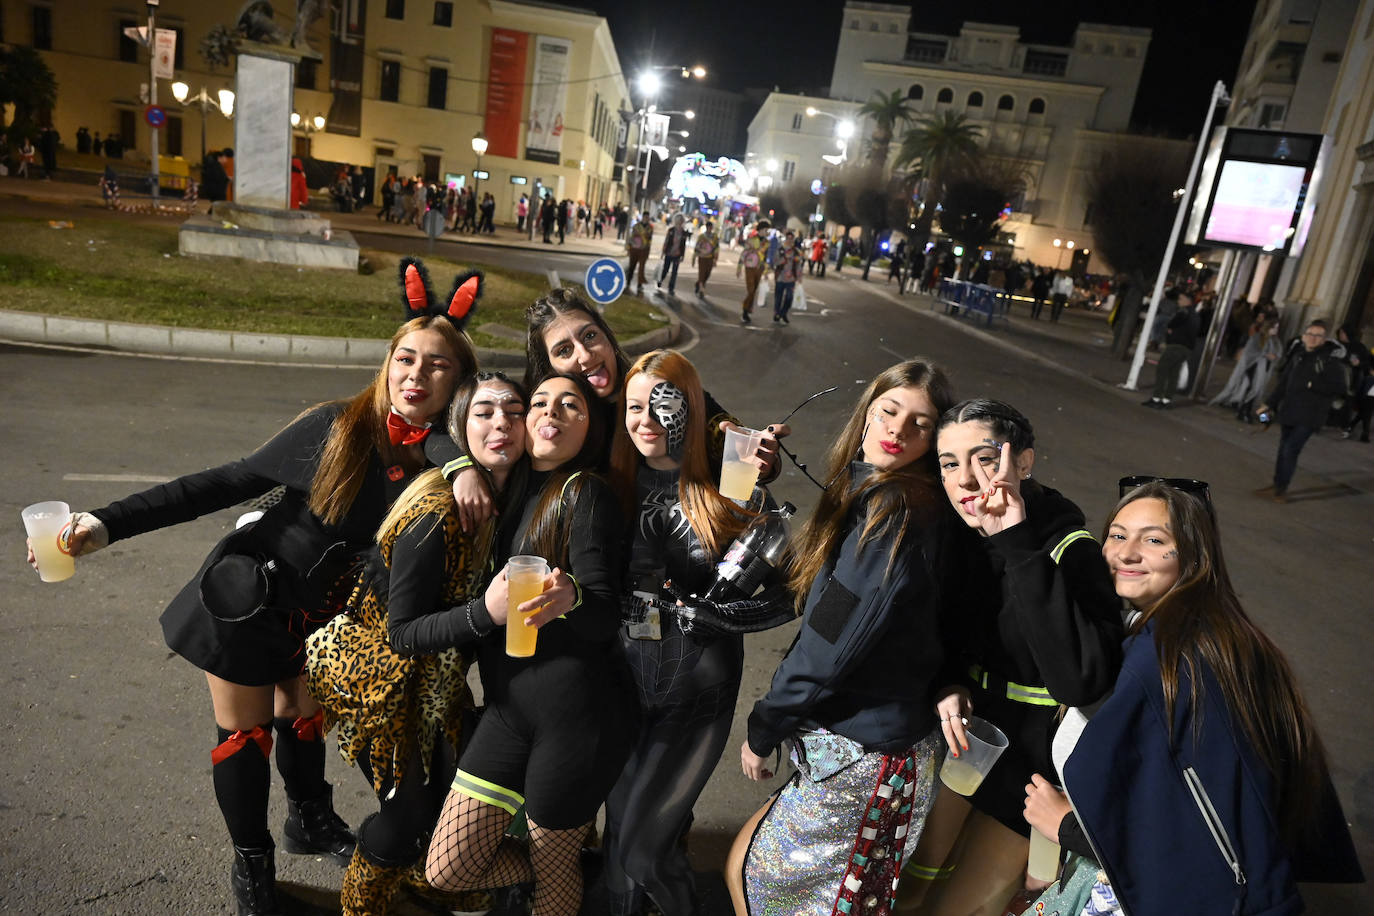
1308, 382
870, 650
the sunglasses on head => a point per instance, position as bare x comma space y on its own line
1197, 488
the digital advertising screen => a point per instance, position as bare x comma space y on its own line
1254, 204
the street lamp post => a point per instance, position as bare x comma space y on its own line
1062, 246
225, 106
479, 146
306, 125
650, 83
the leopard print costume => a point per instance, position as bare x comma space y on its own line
380, 701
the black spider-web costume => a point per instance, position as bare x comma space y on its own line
687, 684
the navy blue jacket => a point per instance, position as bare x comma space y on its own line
870, 649
1184, 819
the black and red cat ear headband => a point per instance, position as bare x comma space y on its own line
417, 296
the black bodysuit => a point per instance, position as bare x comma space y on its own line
687, 683
558, 725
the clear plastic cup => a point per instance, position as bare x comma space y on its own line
44, 523
1043, 864
524, 580
738, 473
964, 774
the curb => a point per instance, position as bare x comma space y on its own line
246, 347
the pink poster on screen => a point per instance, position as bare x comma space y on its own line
1255, 204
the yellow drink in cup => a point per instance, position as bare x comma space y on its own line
524, 581
964, 774
44, 523
961, 777
1044, 857
738, 474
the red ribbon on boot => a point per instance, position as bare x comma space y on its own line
311, 729
403, 433
238, 740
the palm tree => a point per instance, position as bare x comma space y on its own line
938, 145
886, 111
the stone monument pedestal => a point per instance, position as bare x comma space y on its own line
257, 225
298, 237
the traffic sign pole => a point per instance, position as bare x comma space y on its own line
155, 178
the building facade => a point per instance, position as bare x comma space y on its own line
1334, 278
1053, 110
403, 85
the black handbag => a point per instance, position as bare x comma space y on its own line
276, 561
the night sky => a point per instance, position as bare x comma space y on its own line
747, 45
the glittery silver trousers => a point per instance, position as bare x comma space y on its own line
836, 845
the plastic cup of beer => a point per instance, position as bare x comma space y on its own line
964, 774
44, 523
524, 580
738, 473
1044, 857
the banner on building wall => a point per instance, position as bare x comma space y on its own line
548, 101
622, 143
346, 69
165, 54
656, 129
505, 91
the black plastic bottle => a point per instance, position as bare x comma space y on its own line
752, 556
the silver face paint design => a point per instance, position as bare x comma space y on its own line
668, 405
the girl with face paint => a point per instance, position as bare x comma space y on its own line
687, 679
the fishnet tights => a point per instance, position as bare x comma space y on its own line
470, 850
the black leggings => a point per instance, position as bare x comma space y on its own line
651, 805
398, 834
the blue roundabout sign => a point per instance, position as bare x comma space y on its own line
605, 280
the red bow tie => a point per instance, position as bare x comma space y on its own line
403, 433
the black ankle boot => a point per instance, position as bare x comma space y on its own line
312, 828
254, 880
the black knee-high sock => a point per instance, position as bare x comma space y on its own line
301, 760
242, 782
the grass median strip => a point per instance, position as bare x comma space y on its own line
111, 268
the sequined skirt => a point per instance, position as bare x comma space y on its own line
834, 843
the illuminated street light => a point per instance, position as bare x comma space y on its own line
650, 83
182, 93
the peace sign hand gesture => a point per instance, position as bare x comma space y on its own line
999, 506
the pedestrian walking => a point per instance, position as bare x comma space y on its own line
896, 260
751, 262
1309, 379
561, 218
48, 140
637, 247
704, 252
548, 217
787, 270
1180, 337
522, 210
674, 248
26, 157
1060, 291
817, 262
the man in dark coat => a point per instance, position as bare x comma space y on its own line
1179, 339
47, 147
214, 181
1309, 379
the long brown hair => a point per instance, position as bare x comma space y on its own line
547, 309
550, 524
893, 497
1199, 623
360, 428
714, 519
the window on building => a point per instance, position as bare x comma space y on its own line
443, 13
946, 96
1271, 114
1045, 63
173, 134
128, 128
395, 9
128, 48
390, 90
1006, 103
438, 87
789, 168
307, 73
916, 92
796, 121
873, 26
42, 27
384, 152
925, 50
179, 57
431, 168
1037, 106
975, 99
